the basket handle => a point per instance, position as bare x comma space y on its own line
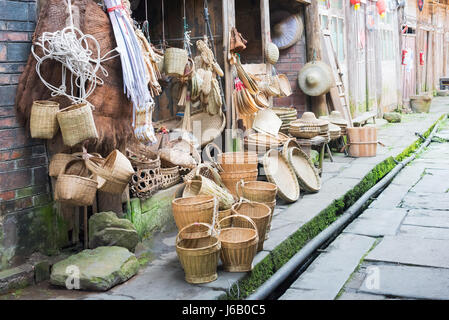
64, 167
239, 216
207, 149
238, 187
210, 227
94, 165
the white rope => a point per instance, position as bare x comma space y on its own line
70, 46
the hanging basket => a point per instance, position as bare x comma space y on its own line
203, 186
238, 244
77, 124
175, 61
43, 121
57, 162
193, 209
258, 212
75, 190
199, 256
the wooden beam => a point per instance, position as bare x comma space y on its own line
313, 44
266, 33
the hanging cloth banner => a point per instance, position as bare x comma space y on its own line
420, 4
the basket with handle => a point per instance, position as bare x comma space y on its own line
257, 191
260, 213
77, 124
198, 256
232, 161
272, 206
238, 244
75, 190
57, 162
175, 61
203, 186
221, 215
43, 121
193, 209
230, 179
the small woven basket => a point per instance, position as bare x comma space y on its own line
258, 212
199, 256
146, 182
57, 162
75, 190
193, 209
230, 179
257, 191
175, 61
170, 177
43, 121
203, 186
238, 244
77, 124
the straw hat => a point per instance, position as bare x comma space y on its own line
309, 118
266, 121
288, 32
315, 78
336, 118
272, 53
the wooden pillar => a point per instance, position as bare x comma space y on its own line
266, 32
313, 44
228, 24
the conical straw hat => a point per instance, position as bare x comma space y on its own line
309, 118
272, 53
315, 78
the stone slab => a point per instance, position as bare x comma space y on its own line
377, 222
434, 181
328, 273
410, 175
432, 201
356, 170
424, 232
391, 197
411, 251
428, 218
361, 296
410, 282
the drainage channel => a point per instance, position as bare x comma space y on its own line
276, 286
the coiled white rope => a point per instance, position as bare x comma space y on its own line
74, 50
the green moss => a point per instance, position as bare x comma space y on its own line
288, 248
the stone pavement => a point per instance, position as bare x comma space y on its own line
396, 249
163, 277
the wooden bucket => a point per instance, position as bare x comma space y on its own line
362, 142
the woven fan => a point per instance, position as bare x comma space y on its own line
288, 32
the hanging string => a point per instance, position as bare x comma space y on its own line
163, 25
187, 42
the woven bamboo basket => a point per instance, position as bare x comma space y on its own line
238, 244
258, 212
75, 190
232, 161
43, 121
205, 170
77, 124
170, 177
175, 61
146, 182
58, 161
221, 215
203, 186
230, 179
308, 177
257, 191
193, 209
272, 206
199, 256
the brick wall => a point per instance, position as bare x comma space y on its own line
26, 213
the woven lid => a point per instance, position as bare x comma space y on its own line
272, 53
315, 78
336, 118
334, 129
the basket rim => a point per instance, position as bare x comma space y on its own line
259, 204
207, 198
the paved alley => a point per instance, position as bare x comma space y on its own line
396, 249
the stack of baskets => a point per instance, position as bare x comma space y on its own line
287, 115
260, 143
235, 166
337, 119
309, 127
334, 131
259, 191
147, 178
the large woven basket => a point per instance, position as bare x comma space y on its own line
57, 162
230, 179
258, 212
193, 209
175, 61
238, 244
43, 121
280, 172
199, 256
308, 177
203, 186
170, 177
221, 215
77, 124
75, 190
257, 191
232, 161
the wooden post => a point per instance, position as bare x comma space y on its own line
313, 44
228, 23
266, 32
86, 234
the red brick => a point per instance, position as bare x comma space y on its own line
31, 162
7, 166
8, 195
14, 138
15, 154
9, 122
15, 179
13, 36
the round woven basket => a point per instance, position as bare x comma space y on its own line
175, 61
75, 190
43, 121
230, 179
308, 177
238, 244
146, 182
170, 177
199, 256
280, 172
221, 215
232, 161
200, 185
257, 191
193, 209
258, 212
58, 161
77, 124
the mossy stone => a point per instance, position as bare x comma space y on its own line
392, 117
